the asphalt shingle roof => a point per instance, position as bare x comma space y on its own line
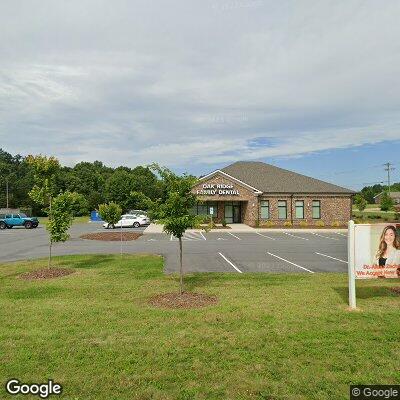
270, 179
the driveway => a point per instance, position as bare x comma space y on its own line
238, 252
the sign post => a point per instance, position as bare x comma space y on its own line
351, 266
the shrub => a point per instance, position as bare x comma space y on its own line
303, 224
320, 223
268, 224
287, 224
336, 224
223, 222
397, 216
386, 202
110, 212
360, 202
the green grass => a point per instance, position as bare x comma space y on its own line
272, 336
77, 220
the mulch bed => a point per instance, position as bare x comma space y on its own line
46, 273
111, 236
395, 290
184, 300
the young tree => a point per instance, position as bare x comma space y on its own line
360, 202
110, 213
386, 202
61, 217
45, 171
174, 212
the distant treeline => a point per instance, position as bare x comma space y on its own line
96, 182
369, 192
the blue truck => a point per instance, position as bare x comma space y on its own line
11, 220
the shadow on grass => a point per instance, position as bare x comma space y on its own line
32, 293
207, 279
366, 292
86, 261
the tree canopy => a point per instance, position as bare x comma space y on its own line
129, 187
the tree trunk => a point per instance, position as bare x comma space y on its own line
181, 267
50, 241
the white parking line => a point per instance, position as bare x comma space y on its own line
201, 233
289, 262
326, 237
333, 258
238, 238
299, 237
229, 262
268, 237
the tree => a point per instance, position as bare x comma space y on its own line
386, 202
79, 205
118, 188
110, 213
174, 212
45, 171
360, 202
61, 217
139, 201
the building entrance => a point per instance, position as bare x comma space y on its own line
233, 212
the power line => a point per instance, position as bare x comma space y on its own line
388, 168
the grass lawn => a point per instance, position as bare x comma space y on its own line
77, 220
272, 336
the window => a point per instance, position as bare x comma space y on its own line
299, 209
316, 209
264, 209
202, 209
205, 209
282, 209
214, 207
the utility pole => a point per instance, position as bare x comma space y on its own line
388, 169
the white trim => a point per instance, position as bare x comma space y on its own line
231, 177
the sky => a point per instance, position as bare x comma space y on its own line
311, 86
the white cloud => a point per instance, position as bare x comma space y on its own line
189, 83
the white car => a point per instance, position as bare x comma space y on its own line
129, 221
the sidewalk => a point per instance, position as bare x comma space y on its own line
156, 228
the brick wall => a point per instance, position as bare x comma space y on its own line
334, 208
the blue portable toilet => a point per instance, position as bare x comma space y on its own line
95, 217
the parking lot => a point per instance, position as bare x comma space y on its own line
259, 251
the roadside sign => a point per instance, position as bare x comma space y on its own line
373, 252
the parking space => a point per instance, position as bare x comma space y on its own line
237, 252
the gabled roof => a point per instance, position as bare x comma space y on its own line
392, 194
270, 179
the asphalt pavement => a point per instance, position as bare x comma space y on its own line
238, 252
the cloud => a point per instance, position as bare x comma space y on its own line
194, 83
